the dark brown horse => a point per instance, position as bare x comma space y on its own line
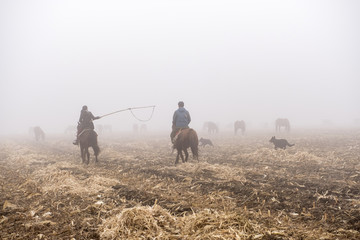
187, 138
239, 125
282, 122
88, 138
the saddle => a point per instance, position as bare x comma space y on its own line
86, 129
176, 136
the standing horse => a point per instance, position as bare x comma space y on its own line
282, 122
211, 127
39, 133
186, 138
88, 138
239, 125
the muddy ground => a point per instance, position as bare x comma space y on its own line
240, 189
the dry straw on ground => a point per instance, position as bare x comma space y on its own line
241, 189
144, 222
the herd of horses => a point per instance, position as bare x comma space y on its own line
185, 139
280, 123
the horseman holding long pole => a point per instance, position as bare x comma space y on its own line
85, 122
86, 119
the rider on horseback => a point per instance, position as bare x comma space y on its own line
85, 122
181, 119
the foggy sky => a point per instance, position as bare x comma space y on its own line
227, 60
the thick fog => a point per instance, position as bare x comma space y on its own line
227, 60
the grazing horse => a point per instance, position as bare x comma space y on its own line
184, 139
39, 133
211, 127
239, 125
88, 138
282, 122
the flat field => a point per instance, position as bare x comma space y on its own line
242, 188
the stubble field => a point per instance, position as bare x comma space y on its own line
240, 189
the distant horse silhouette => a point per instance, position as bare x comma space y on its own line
39, 133
211, 127
239, 125
88, 138
186, 138
282, 122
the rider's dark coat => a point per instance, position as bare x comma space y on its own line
86, 119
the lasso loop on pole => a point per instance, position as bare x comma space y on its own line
130, 109
142, 120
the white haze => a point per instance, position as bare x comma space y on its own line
227, 60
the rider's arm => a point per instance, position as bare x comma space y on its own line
94, 118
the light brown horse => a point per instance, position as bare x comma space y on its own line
88, 138
282, 122
239, 125
186, 138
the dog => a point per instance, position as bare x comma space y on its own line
280, 143
203, 142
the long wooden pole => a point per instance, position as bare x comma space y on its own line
126, 109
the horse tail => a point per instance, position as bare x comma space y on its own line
94, 143
194, 143
96, 149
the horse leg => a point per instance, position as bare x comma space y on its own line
96, 152
87, 155
96, 155
82, 152
186, 155
177, 157
182, 156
